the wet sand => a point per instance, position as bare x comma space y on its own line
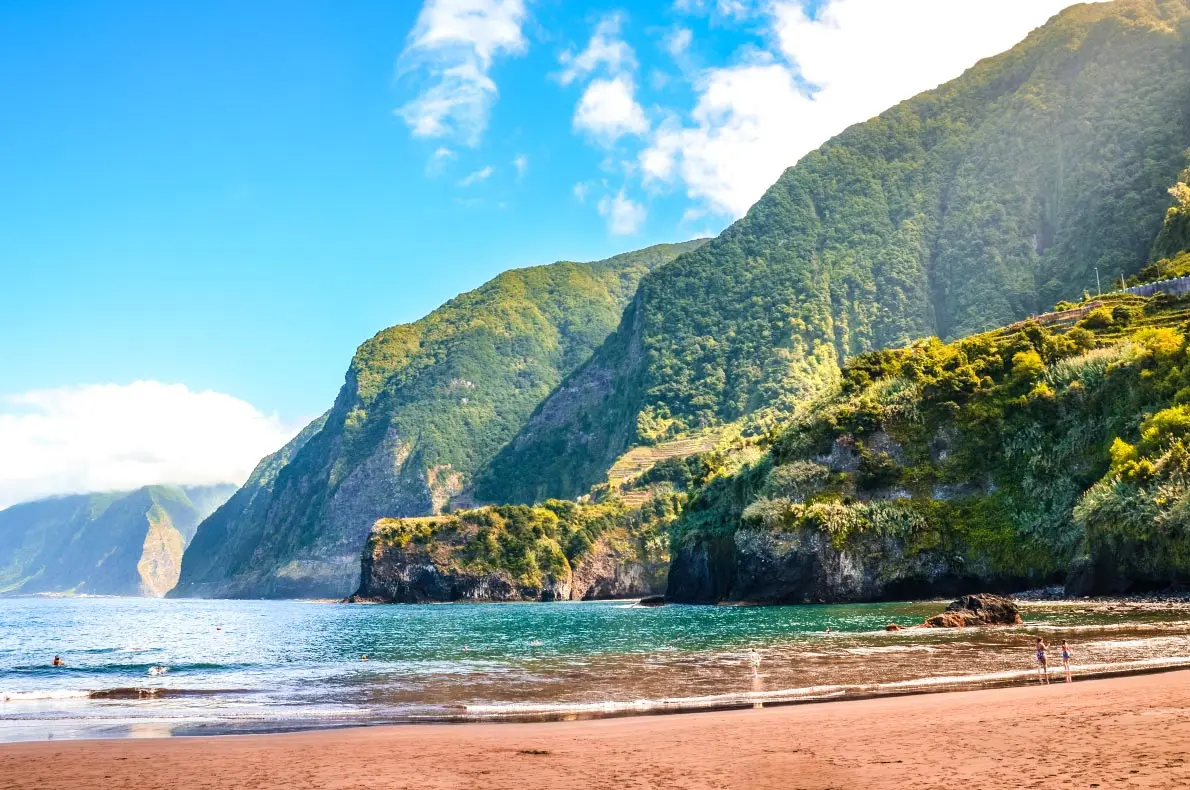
1121, 732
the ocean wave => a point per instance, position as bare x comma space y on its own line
33, 696
863, 651
137, 668
116, 693
804, 694
159, 692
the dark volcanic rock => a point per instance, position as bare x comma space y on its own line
976, 610
652, 600
805, 566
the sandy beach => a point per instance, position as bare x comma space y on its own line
1120, 732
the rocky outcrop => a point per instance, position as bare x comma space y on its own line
806, 566
411, 575
613, 569
399, 571
976, 610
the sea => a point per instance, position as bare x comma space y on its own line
139, 667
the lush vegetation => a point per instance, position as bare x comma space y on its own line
424, 405
1011, 454
533, 547
965, 208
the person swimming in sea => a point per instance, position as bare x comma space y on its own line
1043, 669
1066, 656
58, 662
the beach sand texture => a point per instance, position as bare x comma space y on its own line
1120, 732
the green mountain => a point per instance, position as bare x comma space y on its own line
116, 543
965, 208
424, 406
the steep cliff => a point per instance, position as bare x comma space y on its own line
424, 405
122, 543
559, 551
965, 208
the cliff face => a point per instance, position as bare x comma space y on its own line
558, 552
805, 566
424, 405
125, 543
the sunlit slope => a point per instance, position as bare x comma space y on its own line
965, 208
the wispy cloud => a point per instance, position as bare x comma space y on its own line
606, 50
678, 41
115, 437
483, 174
438, 161
452, 47
521, 164
624, 215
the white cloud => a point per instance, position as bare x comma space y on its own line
677, 42
453, 45
521, 163
608, 110
581, 190
859, 57
605, 49
732, 9
438, 161
114, 437
624, 216
743, 125
483, 174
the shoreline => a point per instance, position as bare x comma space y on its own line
1129, 730
512, 714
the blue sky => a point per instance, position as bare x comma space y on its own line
221, 200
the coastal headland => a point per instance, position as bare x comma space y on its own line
1121, 732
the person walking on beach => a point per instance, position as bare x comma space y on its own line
1066, 661
1043, 669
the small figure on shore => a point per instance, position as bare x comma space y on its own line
1043, 669
1066, 661
828, 629
754, 658
58, 662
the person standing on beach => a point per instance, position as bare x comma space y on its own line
1043, 670
1066, 661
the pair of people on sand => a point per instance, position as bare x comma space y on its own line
1043, 667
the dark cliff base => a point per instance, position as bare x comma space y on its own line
802, 570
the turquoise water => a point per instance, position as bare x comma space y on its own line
146, 667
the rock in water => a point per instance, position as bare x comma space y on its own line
652, 600
976, 610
